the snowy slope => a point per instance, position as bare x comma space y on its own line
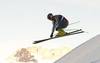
88, 52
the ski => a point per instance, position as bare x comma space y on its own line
74, 29
67, 34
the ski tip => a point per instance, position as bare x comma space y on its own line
80, 29
86, 32
77, 29
34, 42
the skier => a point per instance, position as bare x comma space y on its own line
59, 22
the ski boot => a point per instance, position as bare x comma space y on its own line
60, 33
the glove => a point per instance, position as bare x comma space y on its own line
51, 35
57, 29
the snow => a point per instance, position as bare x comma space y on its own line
88, 52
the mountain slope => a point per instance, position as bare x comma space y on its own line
38, 54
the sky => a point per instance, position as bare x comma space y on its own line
24, 21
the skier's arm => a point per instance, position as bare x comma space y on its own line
58, 22
53, 28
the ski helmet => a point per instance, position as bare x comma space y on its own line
49, 16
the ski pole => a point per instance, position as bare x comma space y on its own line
74, 23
